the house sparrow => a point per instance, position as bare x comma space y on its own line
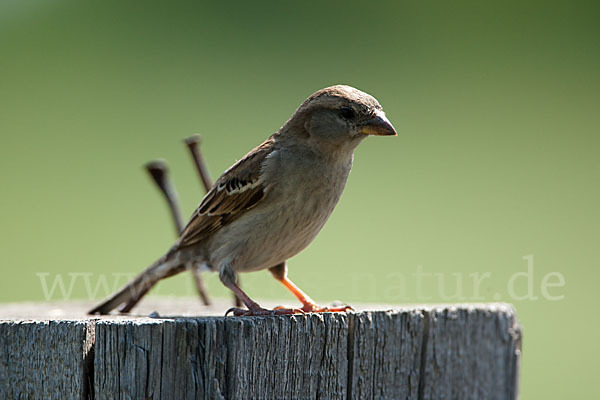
272, 203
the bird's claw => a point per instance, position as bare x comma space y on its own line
287, 310
309, 307
281, 310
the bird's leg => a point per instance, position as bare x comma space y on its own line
229, 277
308, 305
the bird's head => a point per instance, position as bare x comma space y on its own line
337, 116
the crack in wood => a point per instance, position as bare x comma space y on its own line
371, 354
87, 391
422, 364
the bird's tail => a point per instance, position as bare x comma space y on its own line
131, 294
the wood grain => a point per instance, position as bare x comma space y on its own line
423, 352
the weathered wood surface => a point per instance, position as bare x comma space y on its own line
422, 352
42, 360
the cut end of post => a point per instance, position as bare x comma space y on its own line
193, 140
193, 144
158, 169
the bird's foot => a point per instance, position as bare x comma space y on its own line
240, 312
313, 308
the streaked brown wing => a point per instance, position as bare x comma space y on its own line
239, 189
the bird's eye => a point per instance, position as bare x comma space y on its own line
347, 112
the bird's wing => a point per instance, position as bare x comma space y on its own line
239, 189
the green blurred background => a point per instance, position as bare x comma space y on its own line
496, 104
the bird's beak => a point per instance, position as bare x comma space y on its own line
379, 125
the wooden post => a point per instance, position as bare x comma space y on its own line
424, 352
